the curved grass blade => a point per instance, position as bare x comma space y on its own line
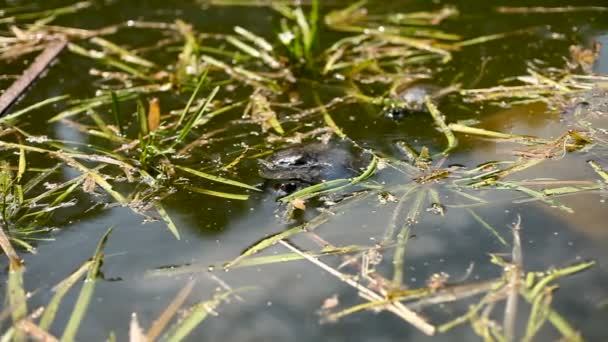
260, 246
369, 171
333, 185
217, 178
315, 189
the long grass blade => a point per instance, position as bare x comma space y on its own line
60, 291
15, 115
86, 293
16, 295
217, 178
195, 316
188, 126
191, 99
220, 194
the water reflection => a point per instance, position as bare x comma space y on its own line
286, 297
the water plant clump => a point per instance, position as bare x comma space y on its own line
370, 113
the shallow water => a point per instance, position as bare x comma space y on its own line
286, 297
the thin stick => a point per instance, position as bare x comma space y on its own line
396, 308
40, 64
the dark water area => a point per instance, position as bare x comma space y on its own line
145, 266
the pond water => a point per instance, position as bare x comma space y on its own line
421, 228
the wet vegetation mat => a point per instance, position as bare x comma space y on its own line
319, 170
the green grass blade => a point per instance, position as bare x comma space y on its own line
487, 226
315, 189
598, 169
32, 183
399, 256
440, 122
369, 171
195, 316
86, 293
40, 104
16, 295
260, 246
217, 178
333, 185
199, 113
257, 40
221, 194
142, 117
165, 216
191, 99
534, 194
287, 257
60, 290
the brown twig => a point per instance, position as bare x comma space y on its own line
40, 64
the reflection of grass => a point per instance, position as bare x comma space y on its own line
246, 95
